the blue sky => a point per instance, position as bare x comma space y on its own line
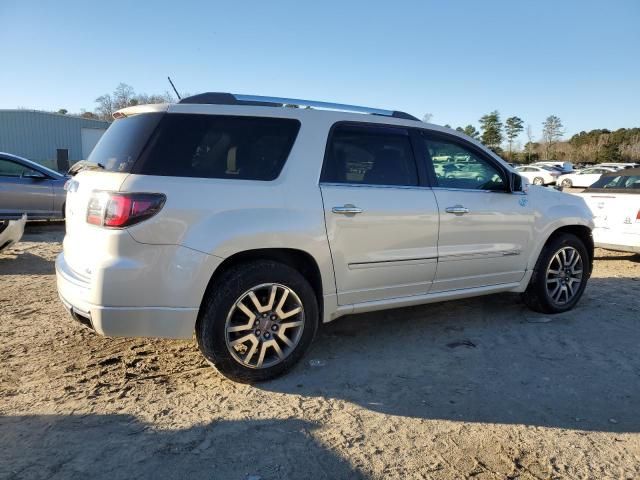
454, 59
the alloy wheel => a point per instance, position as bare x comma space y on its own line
564, 275
264, 325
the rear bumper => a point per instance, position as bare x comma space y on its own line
11, 232
160, 322
77, 293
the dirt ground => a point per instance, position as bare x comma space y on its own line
479, 388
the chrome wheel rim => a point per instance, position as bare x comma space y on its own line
264, 325
564, 275
538, 181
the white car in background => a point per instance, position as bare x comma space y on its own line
619, 165
538, 175
565, 167
11, 231
615, 202
583, 178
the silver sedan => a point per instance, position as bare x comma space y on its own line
28, 187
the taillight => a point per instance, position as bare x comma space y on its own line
638, 216
119, 210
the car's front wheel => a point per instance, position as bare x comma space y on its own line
257, 321
560, 275
567, 183
538, 181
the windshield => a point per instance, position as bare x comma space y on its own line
123, 141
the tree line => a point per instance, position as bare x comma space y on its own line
595, 146
122, 96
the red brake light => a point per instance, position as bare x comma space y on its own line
638, 216
119, 210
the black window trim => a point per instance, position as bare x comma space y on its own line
423, 181
443, 136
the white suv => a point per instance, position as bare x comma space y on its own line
251, 224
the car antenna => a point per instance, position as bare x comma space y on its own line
174, 88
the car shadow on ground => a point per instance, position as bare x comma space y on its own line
487, 359
85, 446
15, 262
631, 257
47, 231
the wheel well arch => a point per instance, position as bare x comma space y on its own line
583, 233
299, 260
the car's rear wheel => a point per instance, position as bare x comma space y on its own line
538, 181
560, 275
257, 321
567, 183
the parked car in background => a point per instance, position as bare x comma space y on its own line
619, 165
614, 200
583, 178
539, 175
27, 187
251, 224
11, 231
564, 167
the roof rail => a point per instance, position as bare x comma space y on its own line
219, 98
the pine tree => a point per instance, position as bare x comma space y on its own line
491, 130
551, 133
471, 131
512, 127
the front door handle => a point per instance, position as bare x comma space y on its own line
457, 209
347, 209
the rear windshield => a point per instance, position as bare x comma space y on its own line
123, 141
622, 182
215, 146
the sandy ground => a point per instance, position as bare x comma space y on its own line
479, 388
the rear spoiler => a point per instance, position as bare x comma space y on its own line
138, 109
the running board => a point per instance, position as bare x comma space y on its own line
422, 299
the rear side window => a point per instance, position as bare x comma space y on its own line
121, 144
370, 156
214, 146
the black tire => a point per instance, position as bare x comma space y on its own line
221, 297
537, 296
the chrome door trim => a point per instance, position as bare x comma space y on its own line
393, 263
367, 185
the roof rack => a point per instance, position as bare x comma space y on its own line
219, 98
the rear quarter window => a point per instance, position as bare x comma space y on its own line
121, 144
215, 146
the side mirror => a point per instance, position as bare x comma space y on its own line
516, 183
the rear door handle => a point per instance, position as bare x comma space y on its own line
457, 209
347, 209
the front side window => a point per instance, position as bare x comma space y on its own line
217, 146
370, 156
456, 166
13, 169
